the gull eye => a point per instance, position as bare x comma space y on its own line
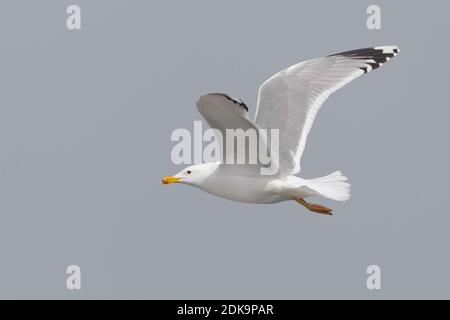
189, 172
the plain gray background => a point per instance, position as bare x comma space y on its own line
85, 124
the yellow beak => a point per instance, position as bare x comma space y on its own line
170, 179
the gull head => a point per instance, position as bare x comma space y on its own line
193, 175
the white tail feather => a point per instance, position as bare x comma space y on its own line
333, 186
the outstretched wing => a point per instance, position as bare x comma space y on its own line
223, 112
290, 99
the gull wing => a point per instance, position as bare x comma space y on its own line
290, 99
223, 112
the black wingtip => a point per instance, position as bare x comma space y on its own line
238, 102
374, 56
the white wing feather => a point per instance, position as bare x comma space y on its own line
223, 112
290, 99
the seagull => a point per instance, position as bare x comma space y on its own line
287, 101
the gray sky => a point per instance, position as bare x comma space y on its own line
85, 124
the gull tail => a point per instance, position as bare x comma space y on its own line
334, 186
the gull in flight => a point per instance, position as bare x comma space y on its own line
288, 101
